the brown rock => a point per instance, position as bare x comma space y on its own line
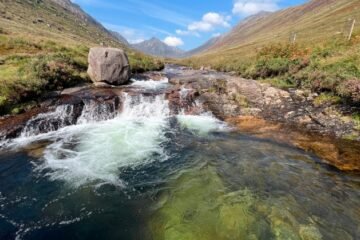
342, 154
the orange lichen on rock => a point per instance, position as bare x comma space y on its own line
342, 154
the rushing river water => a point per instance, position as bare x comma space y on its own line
145, 174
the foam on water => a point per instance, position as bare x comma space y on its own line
201, 124
151, 84
97, 151
102, 142
95, 112
51, 121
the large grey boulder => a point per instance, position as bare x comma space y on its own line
108, 65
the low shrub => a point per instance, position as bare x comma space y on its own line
19, 44
283, 83
350, 89
140, 63
26, 78
327, 99
271, 67
356, 119
58, 71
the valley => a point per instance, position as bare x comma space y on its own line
253, 135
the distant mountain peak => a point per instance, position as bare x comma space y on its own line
119, 37
156, 47
204, 46
154, 39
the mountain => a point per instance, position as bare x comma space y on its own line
312, 22
76, 10
119, 37
203, 47
305, 47
60, 20
156, 47
44, 46
213, 41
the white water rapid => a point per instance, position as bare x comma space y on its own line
102, 142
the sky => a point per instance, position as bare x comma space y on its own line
185, 24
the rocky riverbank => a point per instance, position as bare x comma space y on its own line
289, 117
230, 96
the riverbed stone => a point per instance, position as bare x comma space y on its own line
309, 232
108, 65
199, 209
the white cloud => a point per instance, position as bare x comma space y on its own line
216, 35
173, 41
250, 7
187, 33
209, 22
182, 32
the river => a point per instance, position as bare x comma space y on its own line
145, 173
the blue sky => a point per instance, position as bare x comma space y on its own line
182, 23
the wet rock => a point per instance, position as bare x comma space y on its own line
102, 85
156, 76
340, 153
73, 90
36, 150
230, 96
11, 127
109, 65
197, 208
64, 110
309, 233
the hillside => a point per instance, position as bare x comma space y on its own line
44, 46
156, 47
120, 38
303, 47
206, 46
315, 21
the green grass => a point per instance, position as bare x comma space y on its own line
332, 68
279, 82
51, 54
326, 98
356, 119
26, 77
322, 60
29, 69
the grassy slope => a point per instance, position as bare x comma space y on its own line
322, 59
314, 22
44, 47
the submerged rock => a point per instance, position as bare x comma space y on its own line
308, 232
340, 153
198, 207
108, 65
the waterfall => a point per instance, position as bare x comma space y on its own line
92, 142
51, 121
66, 115
140, 106
97, 151
94, 111
151, 84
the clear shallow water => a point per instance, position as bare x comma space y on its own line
147, 175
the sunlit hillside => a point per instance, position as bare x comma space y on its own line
44, 46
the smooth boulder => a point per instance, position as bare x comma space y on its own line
108, 65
